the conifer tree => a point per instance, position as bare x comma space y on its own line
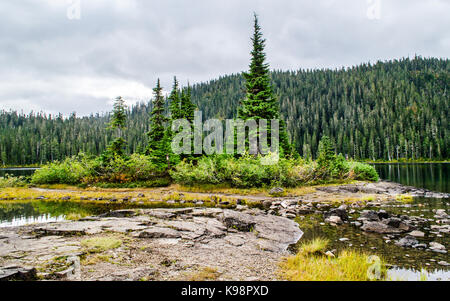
187, 107
118, 121
175, 102
260, 101
158, 147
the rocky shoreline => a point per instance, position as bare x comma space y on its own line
213, 243
159, 244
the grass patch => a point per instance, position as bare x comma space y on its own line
404, 198
101, 244
314, 247
310, 264
93, 260
205, 274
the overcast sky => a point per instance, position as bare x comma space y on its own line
55, 57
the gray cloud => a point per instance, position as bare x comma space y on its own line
121, 47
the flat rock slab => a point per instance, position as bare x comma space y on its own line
238, 242
383, 187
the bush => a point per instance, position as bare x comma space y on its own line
70, 171
244, 172
361, 171
82, 170
10, 181
248, 172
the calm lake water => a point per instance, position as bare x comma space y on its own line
433, 176
17, 172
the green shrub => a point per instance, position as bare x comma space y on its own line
363, 172
248, 172
244, 172
82, 170
70, 171
10, 181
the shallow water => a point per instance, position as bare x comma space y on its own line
431, 176
17, 172
13, 214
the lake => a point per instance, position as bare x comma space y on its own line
17, 172
432, 176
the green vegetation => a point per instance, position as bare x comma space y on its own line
101, 244
247, 172
10, 181
205, 274
260, 101
311, 264
135, 169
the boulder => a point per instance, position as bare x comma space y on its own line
267, 204
240, 221
417, 234
334, 220
342, 213
276, 191
437, 247
369, 215
379, 227
407, 242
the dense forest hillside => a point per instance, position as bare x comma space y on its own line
388, 110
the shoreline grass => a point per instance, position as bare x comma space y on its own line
312, 264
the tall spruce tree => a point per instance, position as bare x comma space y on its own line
158, 147
175, 102
187, 107
118, 122
260, 101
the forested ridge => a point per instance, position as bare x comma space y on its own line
388, 110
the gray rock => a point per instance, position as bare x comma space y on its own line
267, 204
334, 220
342, 213
276, 191
379, 227
437, 247
18, 274
159, 232
239, 221
417, 234
369, 215
407, 242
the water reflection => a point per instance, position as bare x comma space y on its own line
17, 172
27, 220
399, 274
433, 176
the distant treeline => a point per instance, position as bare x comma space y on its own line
388, 110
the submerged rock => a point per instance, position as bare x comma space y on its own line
334, 220
339, 212
417, 234
407, 242
437, 247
